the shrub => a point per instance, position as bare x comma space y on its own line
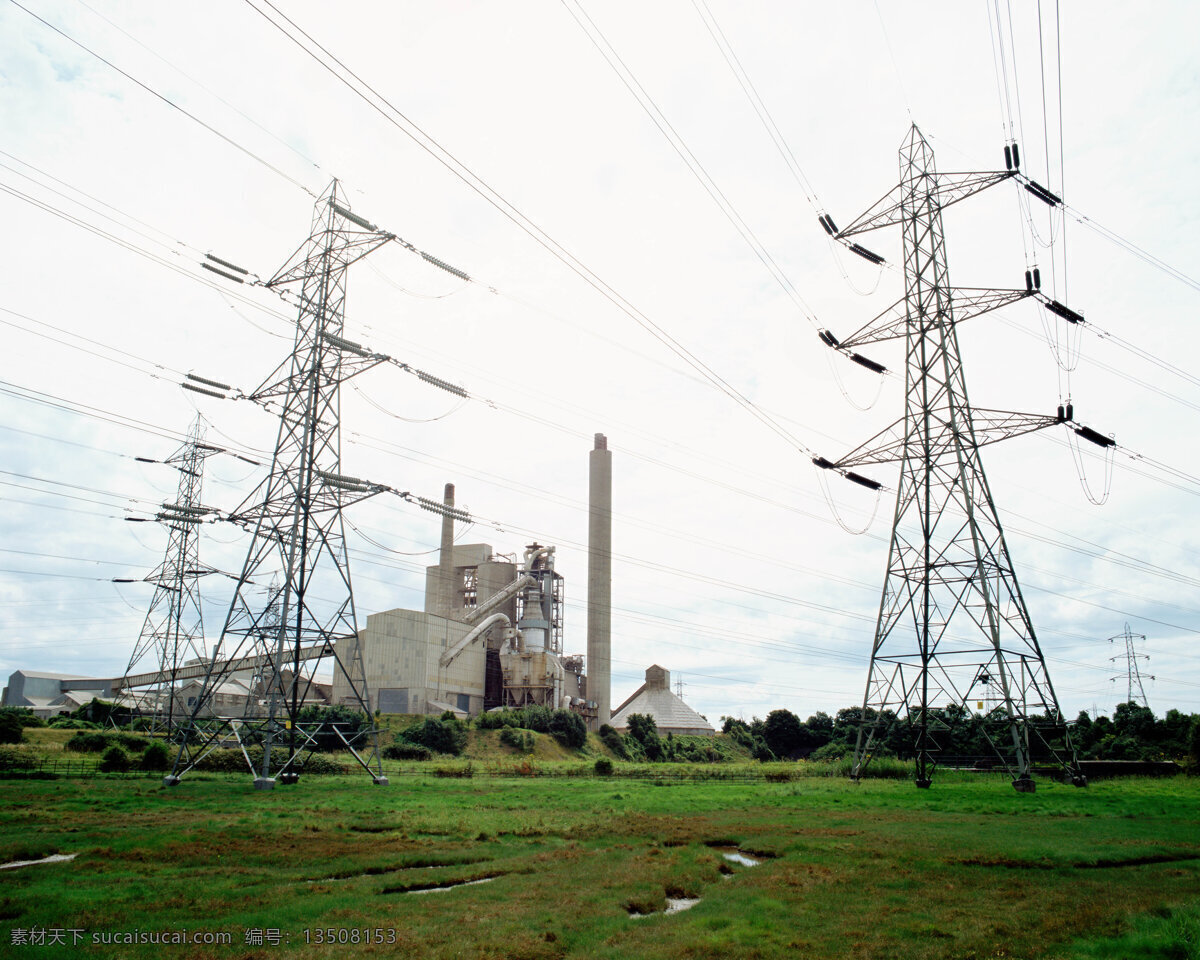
568, 729
462, 772
222, 761
232, 761
64, 722
319, 722
88, 742
317, 763
614, 741
604, 767
97, 741
537, 718
115, 760
498, 719
644, 730
25, 715
441, 735
157, 756
512, 737
401, 749
11, 729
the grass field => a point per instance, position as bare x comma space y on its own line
878, 869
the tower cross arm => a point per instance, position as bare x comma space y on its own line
946, 188
305, 262
891, 444
346, 368
966, 302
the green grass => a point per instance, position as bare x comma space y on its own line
870, 870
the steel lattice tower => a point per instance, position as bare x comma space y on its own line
298, 532
1133, 675
173, 631
952, 623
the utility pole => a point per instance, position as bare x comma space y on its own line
1132, 675
295, 516
952, 623
173, 631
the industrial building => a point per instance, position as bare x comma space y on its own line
49, 694
490, 635
655, 699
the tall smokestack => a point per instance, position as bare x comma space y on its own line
446, 586
599, 603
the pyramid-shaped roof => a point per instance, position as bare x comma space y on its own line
654, 698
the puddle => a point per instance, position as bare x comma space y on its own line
53, 858
451, 886
674, 905
733, 855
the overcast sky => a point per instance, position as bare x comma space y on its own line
732, 571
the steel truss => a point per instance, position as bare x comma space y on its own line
953, 626
298, 534
1135, 692
173, 631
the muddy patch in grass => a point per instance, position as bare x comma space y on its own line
676, 900
439, 886
416, 863
53, 858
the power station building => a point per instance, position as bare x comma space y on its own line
490, 635
491, 631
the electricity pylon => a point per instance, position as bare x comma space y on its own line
173, 631
298, 533
1132, 675
952, 623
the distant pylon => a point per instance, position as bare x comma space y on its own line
1135, 692
173, 631
952, 626
298, 533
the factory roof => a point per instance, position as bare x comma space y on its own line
670, 713
43, 675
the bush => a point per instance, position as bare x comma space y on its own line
25, 715
603, 767
64, 722
232, 761
401, 749
115, 760
11, 729
461, 773
441, 735
88, 742
319, 723
499, 719
158, 756
644, 730
537, 718
512, 737
614, 741
568, 729
97, 741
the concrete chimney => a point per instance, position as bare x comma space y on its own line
447, 593
599, 601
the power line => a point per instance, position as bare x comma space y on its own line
400, 121
170, 103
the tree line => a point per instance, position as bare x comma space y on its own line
1132, 733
